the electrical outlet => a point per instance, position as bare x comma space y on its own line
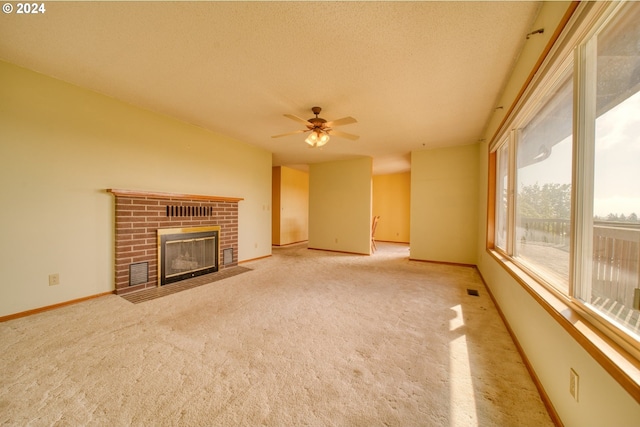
573, 384
54, 279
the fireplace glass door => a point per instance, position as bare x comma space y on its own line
187, 254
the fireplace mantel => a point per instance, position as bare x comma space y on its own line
139, 216
174, 196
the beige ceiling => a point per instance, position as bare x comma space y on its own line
414, 74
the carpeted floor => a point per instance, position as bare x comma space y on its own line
303, 338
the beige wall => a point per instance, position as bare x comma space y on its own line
549, 348
548, 18
444, 204
276, 174
62, 146
340, 205
290, 192
392, 202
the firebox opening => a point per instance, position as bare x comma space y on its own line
184, 253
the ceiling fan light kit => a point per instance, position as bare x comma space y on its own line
317, 139
320, 128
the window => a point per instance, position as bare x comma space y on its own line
543, 187
567, 172
502, 196
610, 276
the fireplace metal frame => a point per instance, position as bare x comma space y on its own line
165, 234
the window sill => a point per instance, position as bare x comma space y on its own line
623, 366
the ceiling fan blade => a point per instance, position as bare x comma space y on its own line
343, 134
298, 119
341, 122
290, 133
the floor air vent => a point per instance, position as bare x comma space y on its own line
227, 256
473, 292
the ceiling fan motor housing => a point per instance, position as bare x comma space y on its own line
317, 122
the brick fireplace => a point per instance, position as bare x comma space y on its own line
139, 216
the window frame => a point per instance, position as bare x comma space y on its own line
550, 83
617, 352
507, 215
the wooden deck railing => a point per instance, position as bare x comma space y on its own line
616, 253
549, 231
615, 276
616, 262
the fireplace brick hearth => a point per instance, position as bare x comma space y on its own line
139, 215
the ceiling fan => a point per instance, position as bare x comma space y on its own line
320, 128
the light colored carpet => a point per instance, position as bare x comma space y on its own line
305, 338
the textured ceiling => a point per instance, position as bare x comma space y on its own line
414, 74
